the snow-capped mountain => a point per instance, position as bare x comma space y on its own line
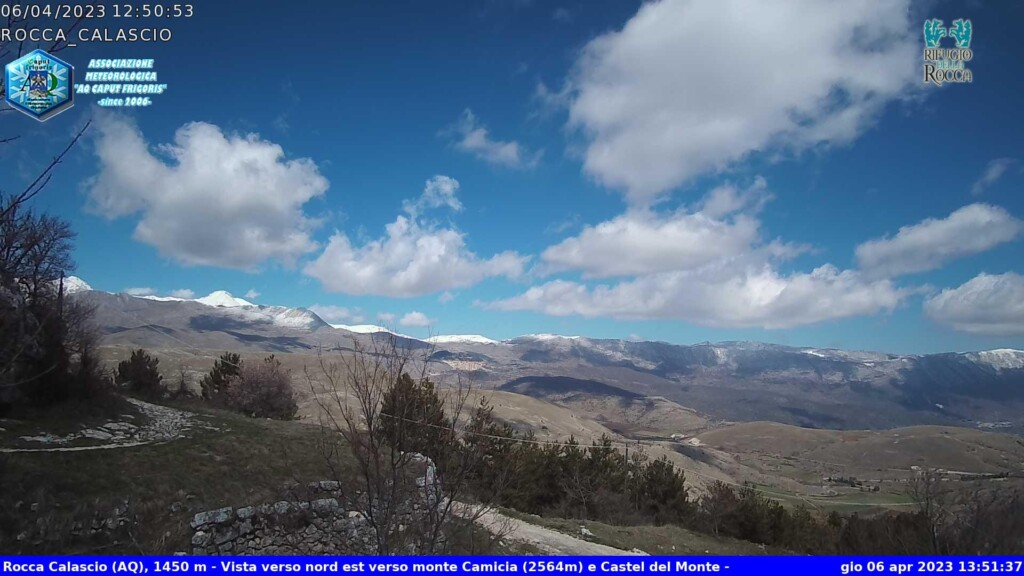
74, 284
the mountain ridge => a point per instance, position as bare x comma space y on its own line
732, 381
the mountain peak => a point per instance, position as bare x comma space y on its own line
223, 298
73, 284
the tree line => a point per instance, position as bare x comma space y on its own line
599, 482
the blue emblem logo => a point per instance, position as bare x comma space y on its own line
934, 32
961, 32
40, 85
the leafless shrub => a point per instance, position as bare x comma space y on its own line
262, 390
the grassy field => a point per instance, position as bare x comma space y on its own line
52, 500
235, 461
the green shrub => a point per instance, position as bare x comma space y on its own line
215, 383
140, 374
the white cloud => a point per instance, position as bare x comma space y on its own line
386, 317
438, 192
688, 87
709, 267
208, 198
719, 297
993, 172
933, 242
643, 241
728, 199
252, 294
416, 319
474, 138
987, 304
186, 293
332, 313
446, 297
140, 291
412, 259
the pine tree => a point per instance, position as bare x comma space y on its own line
215, 383
140, 373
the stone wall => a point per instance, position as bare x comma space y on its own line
318, 526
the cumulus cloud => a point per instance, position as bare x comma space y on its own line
207, 198
993, 172
988, 304
709, 266
446, 297
689, 87
473, 137
439, 192
643, 241
718, 297
184, 293
140, 291
933, 242
413, 258
252, 294
416, 320
332, 313
386, 317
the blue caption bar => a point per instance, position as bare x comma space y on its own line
735, 565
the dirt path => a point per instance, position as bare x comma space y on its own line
548, 541
163, 424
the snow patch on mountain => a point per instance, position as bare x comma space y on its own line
298, 318
461, 339
1000, 359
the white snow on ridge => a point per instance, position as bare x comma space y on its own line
370, 329
277, 315
461, 338
223, 298
164, 298
1000, 359
361, 328
549, 337
814, 353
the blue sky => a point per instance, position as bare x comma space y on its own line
676, 171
